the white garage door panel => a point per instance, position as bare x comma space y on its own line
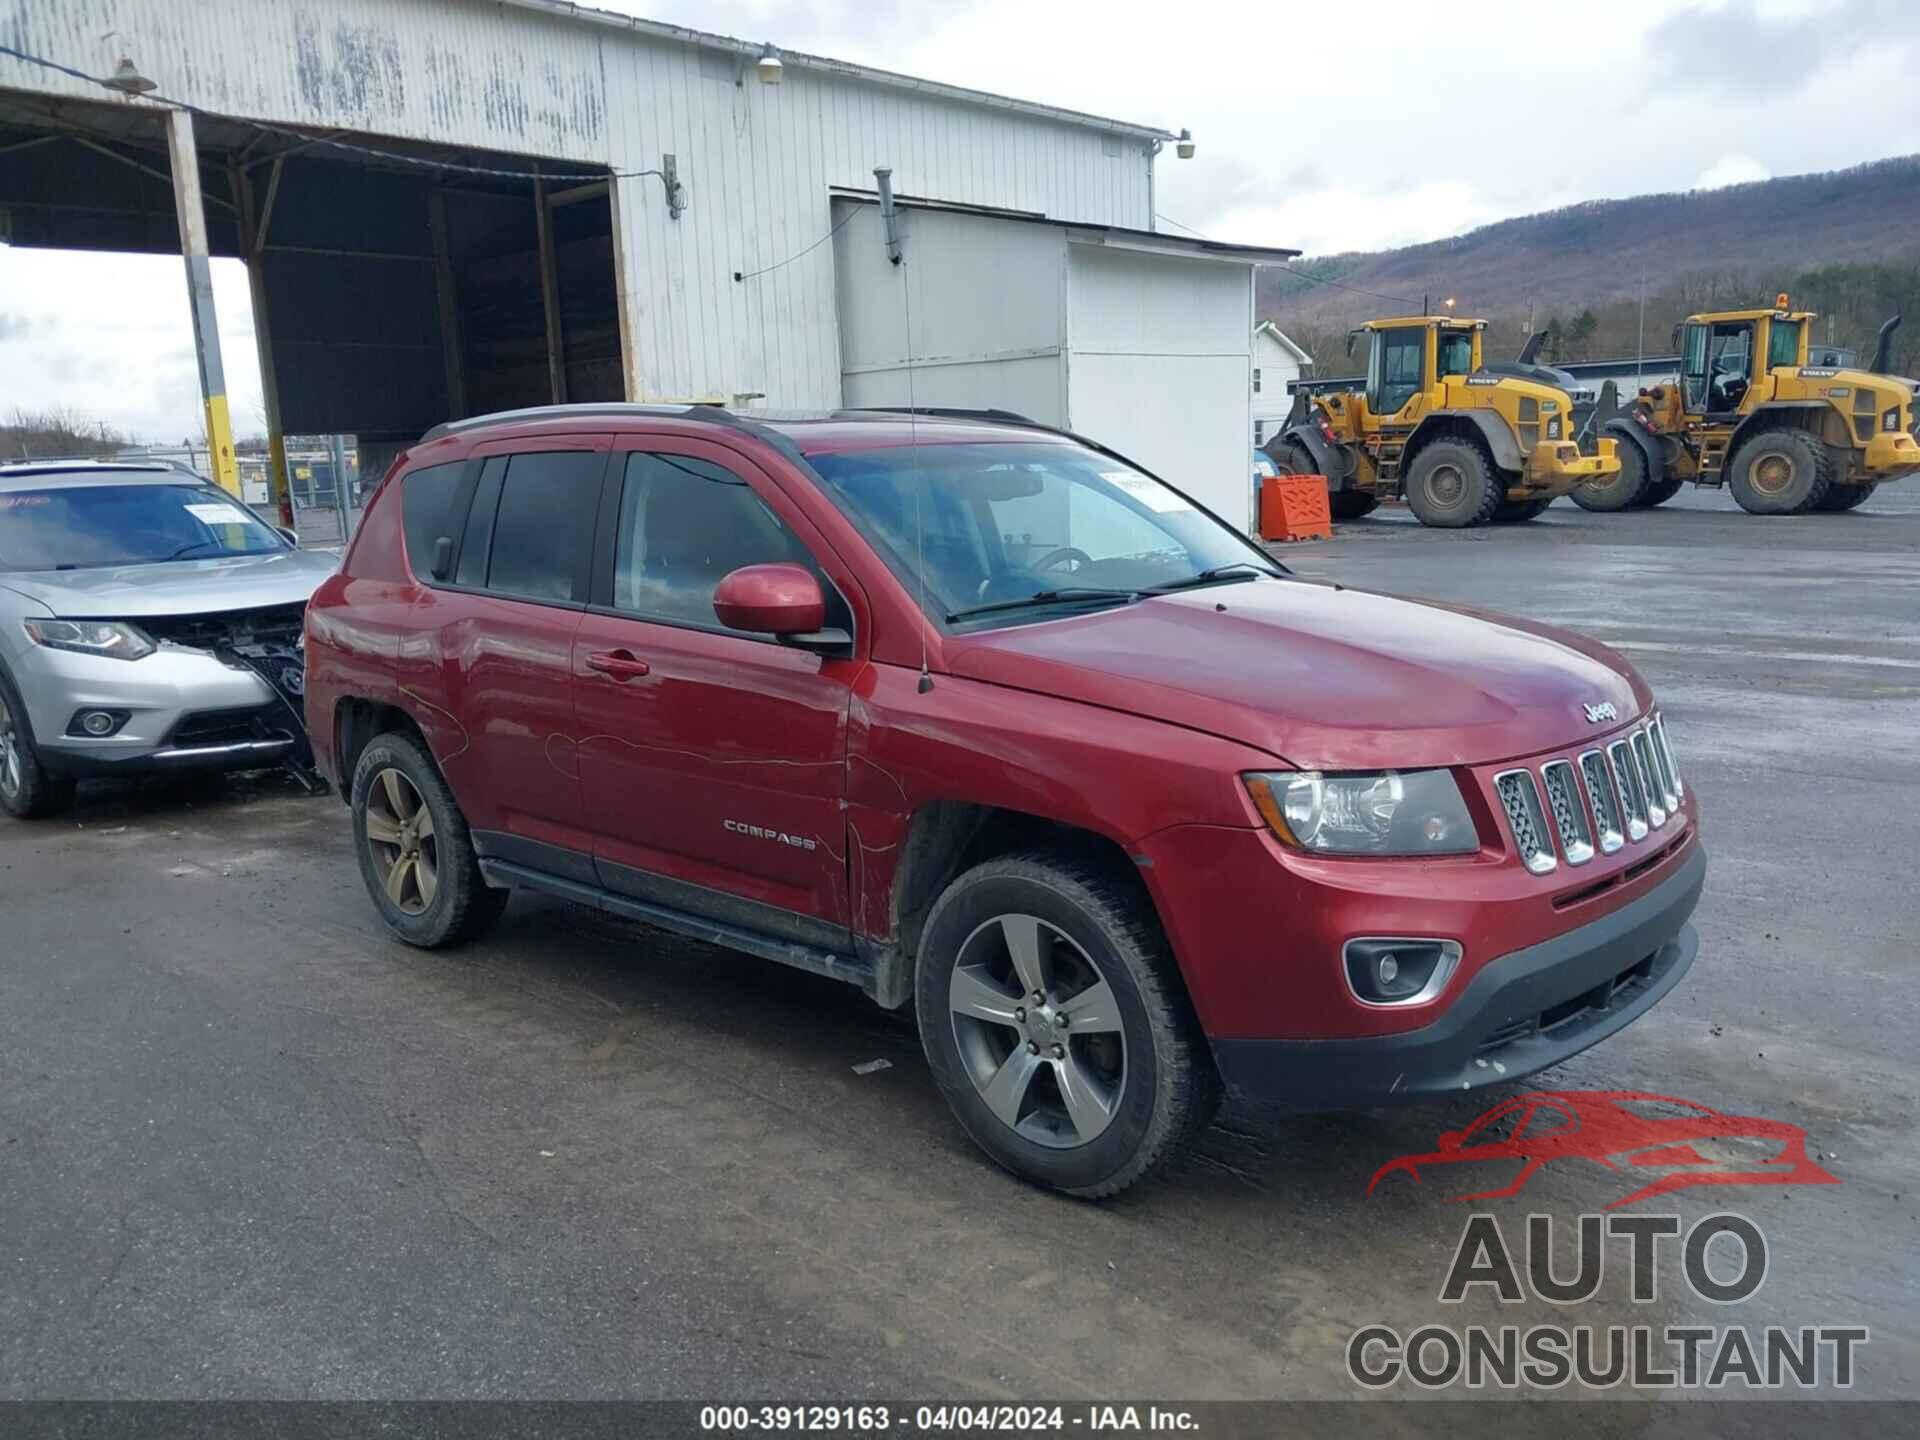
1183, 417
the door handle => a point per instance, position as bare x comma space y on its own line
618, 664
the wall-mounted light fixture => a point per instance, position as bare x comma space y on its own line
768, 66
1184, 146
128, 80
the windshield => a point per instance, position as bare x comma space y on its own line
1783, 344
997, 522
82, 526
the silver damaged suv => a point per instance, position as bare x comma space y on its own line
148, 621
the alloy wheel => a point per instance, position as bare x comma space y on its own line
1038, 1030
400, 838
10, 776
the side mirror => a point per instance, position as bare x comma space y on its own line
780, 600
289, 534
442, 557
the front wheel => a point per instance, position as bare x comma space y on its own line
1659, 493
1056, 1026
1780, 472
1845, 497
1452, 484
1619, 491
27, 790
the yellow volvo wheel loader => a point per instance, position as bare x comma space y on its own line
1465, 442
1749, 412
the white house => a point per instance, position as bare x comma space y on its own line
1276, 360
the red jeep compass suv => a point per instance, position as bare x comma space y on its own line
982, 718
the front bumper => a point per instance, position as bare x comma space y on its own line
186, 709
1558, 465
1521, 1013
1891, 455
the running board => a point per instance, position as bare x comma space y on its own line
505, 873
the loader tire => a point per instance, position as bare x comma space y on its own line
1517, 512
1351, 504
1845, 497
1659, 493
1621, 490
1290, 457
1453, 484
1780, 472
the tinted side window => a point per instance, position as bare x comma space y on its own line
545, 525
426, 511
684, 524
476, 549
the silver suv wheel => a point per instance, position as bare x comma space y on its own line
1038, 1031
10, 775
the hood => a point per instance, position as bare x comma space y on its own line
1324, 677
179, 587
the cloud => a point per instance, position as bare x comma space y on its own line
1731, 170
1743, 47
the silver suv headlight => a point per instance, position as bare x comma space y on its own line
1379, 812
114, 639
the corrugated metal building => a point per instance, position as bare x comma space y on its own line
406, 280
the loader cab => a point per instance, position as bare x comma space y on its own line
1722, 356
1407, 357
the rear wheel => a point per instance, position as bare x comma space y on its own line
27, 790
1845, 497
1515, 512
1659, 493
1452, 484
1619, 491
1780, 472
1056, 1026
416, 855
1352, 504
1290, 457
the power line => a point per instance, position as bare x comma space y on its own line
1302, 274
779, 264
368, 151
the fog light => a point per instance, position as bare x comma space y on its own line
97, 724
1387, 970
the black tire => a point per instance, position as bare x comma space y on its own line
1351, 504
1290, 457
28, 791
1517, 512
462, 906
1621, 491
1780, 472
1659, 493
1845, 497
1452, 484
1166, 1089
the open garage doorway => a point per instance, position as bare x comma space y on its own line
393, 285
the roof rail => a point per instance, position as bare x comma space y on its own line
610, 410
949, 412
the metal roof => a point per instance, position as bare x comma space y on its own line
750, 49
1120, 237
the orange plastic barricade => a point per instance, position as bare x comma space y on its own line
1294, 507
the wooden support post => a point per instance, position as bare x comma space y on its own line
190, 208
550, 295
452, 350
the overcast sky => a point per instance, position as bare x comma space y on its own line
1320, 126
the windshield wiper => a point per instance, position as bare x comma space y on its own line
1046, 597
1218, 575
185, 550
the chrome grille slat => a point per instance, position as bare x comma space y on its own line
1606, 805
1569, 815
1669, 767
1520, 798
1649, 779
1626, 780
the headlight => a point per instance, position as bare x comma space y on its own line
113, 638
1390, 812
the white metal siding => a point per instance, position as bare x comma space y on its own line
986, 297
1157, 367
757, 160
1277, 366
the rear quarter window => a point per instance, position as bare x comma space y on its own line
426, 511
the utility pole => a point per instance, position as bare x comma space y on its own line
1640, 346
191, 210
340, 487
